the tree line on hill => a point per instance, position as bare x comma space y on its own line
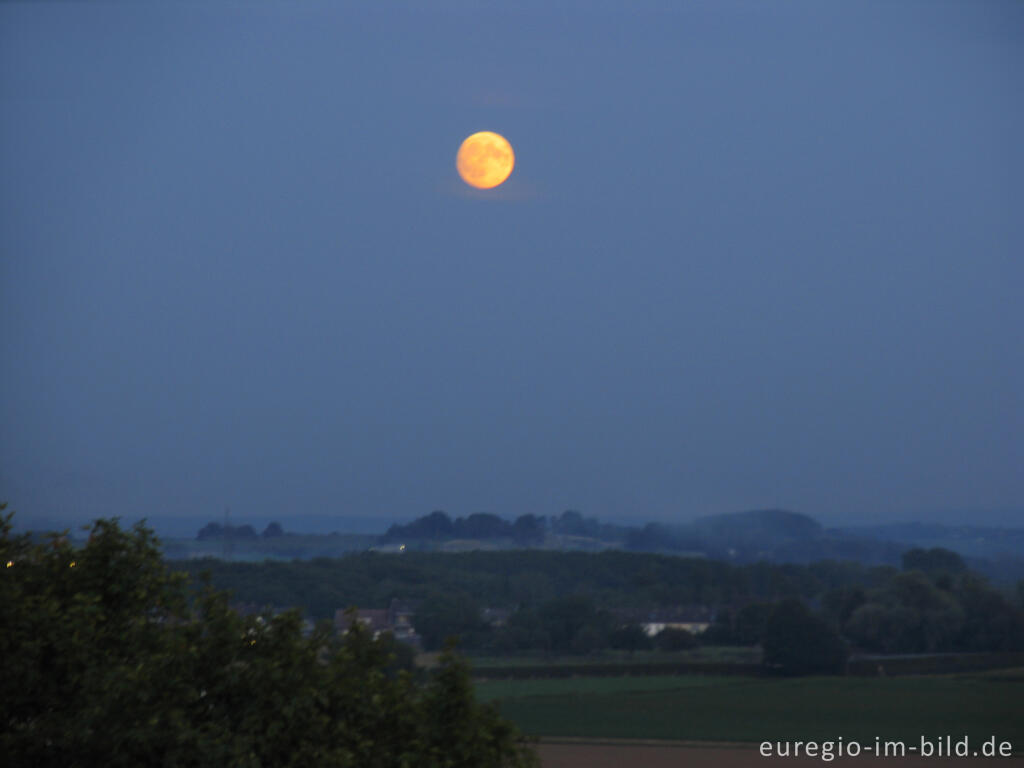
526, 530
240, 532
742, 537
713, 535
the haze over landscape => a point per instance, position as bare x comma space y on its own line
751, 256
511, 383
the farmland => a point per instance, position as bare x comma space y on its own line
736, 710
663, 755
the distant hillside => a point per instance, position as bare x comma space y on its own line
774, 523
968, 540
773, 535
995, 552
762, 534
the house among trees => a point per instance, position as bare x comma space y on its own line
693, 620
375, 620
400, 616
397, 619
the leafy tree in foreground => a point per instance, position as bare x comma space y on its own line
106, 658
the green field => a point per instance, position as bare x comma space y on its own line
736, 709
288, 547
706, 653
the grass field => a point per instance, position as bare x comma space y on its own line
667, 755
706, 653
289, 547
732, 709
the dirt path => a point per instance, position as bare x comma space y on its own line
667, 755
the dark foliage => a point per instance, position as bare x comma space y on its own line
933, 561
774, 535
630, 637
273, 530
796, 642
671, 639
218, 531
436, 525
106, 658
528, 530
441, 616
878, 609
750, 623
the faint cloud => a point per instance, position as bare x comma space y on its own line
511, 191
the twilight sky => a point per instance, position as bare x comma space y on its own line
752, 254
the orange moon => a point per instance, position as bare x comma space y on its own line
485, 160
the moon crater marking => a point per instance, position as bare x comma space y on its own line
485, 160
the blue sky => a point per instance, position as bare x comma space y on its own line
752, 254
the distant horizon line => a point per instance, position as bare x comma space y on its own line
369, 523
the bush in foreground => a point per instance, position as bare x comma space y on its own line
107, 658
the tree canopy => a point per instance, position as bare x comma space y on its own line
796, 642
108, 658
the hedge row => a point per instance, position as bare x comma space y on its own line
861, 667
617, 670
933, 665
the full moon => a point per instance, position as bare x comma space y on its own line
485, 160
